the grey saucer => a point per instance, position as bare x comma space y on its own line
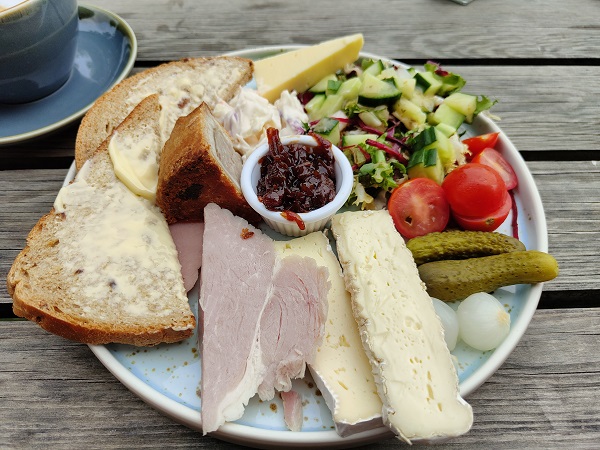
106, 51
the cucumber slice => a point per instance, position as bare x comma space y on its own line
375, 92
446, 129
350, 140
409, 114
449, 116
463, 103
314, 105
329, 129
424, 139
371, 119
350, 88
428, 82
333, 86
332, 104
375, 68
321, 85
425, 163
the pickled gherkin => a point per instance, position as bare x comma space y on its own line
453, 280
457, 244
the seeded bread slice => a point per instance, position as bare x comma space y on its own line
182, 86
198, 166
101, 267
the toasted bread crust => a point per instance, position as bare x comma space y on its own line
190, 175
112, 107
39, 284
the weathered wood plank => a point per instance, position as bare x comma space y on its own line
54, 392
572, 214
403, 28
542, 109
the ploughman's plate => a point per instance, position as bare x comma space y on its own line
168, 376
106, 52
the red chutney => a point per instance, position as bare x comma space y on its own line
296, 178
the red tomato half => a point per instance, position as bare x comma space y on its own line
496, 161
474, 190
478, 143
419, 207
487, 223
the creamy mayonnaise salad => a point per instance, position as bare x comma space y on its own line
248, 115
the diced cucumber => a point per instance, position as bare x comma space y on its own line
406, 86
428, 82
449, 116
409, 114
374, 91
350, 140
332, 104
425, 163
375, 68
314, 105
333, 86
350, 88
463, 103
321, 85
424, 139
445, 148
329, 129
446, 129
371, 119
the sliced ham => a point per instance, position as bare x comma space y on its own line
292, 410
188, 241
262, 316
235, 283
293, 322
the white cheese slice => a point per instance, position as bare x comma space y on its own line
341, 368
301, 69
400, 330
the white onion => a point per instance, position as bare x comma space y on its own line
483, 321
449, 322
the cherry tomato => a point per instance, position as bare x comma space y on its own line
478, 143
489, 222
496, 161
474, 190
419, 207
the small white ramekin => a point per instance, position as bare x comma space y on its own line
314, 220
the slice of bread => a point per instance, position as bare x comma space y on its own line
182, 86
102, 267
199, 166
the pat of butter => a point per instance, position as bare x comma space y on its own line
301, 69
341, 368
400, 330
135, 162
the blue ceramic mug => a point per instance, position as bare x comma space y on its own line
38, 40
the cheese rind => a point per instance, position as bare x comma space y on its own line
341, 369
300, 69
400, 330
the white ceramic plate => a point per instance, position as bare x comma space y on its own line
168, 376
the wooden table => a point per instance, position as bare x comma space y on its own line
539, 58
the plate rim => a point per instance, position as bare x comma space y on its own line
128, 34
248, 435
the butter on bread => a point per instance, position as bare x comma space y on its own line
198, 166
102, 267
181, 86
401, 333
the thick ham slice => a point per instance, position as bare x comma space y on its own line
262, 317
235, 282
187, 237
293, 322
